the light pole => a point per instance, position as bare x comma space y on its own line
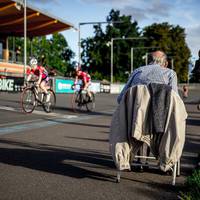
135, 48
111, 57
25, 36
79, 33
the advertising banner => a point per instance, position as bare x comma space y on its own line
11, 84
64, 86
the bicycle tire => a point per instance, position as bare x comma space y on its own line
90, 102
28, 100
77, 101
50, 105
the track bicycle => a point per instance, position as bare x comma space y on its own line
81, 98
32, 96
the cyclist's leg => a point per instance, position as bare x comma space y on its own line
44, 86
87, 89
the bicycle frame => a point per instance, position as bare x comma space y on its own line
80, 99
39, 98
37, 92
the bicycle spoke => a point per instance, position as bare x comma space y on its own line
77, 103
49, 102
28, 100
90, 102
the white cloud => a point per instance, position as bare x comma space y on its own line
44, 2
193, 40
139, 9
156, 10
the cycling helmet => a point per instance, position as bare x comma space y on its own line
33, 62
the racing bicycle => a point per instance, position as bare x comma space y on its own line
81, 98
32, 96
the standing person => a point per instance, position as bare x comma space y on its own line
155, 72
42, 75
196, 70
185, 91
85, 78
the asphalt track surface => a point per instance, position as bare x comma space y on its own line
65, 155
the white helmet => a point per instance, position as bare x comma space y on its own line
33, 62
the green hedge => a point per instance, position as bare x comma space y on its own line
192, 187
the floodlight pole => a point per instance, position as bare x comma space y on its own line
79, 43
25, 36
79, 34
111, 57
172, 63
134, 48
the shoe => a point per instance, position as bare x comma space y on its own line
140, 168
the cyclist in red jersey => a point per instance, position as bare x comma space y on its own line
85, 78
41, 73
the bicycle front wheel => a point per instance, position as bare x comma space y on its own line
28, 100
77, 101
50, 103
90, 102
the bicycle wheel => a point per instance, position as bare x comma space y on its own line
49, 105
28, 100
77, 101
90, 102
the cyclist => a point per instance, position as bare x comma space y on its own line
42, 75
85, 78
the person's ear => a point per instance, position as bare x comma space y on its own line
166, 63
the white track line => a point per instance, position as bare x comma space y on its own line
37, 112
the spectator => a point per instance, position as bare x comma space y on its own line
155, 72
185, 91
196, 70
52, 72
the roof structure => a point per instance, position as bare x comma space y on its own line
38, 22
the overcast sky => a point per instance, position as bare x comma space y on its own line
176, 12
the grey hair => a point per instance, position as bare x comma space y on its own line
160, 60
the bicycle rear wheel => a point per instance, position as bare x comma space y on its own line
90, 102
28, 100
76, 101
49, 105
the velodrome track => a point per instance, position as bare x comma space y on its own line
65, 155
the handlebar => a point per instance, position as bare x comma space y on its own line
77, 87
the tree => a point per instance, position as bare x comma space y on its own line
96, 50
53, 52
170, 39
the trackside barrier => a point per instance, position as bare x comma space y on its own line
117, 88
11, 84
105, 87
64, 85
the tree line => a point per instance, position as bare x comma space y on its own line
96, 50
